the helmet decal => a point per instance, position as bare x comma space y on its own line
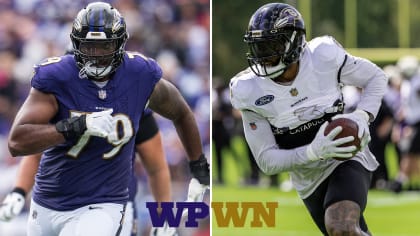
280, 22
77, 25
118, 22
288, 16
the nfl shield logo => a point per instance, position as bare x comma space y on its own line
102, 94
294, 92
253, 125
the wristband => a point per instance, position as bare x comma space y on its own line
19, 191
72, 128
200, 170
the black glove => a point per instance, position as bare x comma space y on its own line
200, 170
72, 128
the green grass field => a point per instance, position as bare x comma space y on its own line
387, 214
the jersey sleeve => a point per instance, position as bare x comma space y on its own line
155, 70
49, 74
269, 157
235, 94
364, 74
40, 80
143, 66
328, 51
239, 90
353, 70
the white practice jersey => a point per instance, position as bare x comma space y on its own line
412, 106
281, 120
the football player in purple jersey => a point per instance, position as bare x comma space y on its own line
150, 150
82, 112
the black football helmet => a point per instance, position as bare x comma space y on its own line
276, 38
98, 36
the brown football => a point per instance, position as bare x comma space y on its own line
350, 128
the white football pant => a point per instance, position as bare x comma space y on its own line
103, 219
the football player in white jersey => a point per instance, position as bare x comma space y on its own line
288, 94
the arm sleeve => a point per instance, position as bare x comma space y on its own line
269, 157
364, 74
148, 128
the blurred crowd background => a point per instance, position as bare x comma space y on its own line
176, 33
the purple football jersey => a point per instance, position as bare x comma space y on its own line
92, 169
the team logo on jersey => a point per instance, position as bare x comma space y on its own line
102, 94
34, 215
294, 92
264, 100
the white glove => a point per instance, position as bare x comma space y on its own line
196, 193
362, 120
324, 147
163, 231
99, 123
11, 206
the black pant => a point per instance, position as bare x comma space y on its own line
349, 181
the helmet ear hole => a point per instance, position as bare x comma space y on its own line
276, 32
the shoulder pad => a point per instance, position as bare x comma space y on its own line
53, 67
241, 85
51, 71
327, 49
136, 61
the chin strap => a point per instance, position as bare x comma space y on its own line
89, 71
82, 73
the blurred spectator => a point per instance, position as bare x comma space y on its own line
380, 130
410, 135
393, 97
223, 123
8, 91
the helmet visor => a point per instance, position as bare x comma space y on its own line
271, 50
98, 48
268, 48
99, 53
268, 52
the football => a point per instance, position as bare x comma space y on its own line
350, 128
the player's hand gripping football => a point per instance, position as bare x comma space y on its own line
362, 120
325, 147
12, 205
